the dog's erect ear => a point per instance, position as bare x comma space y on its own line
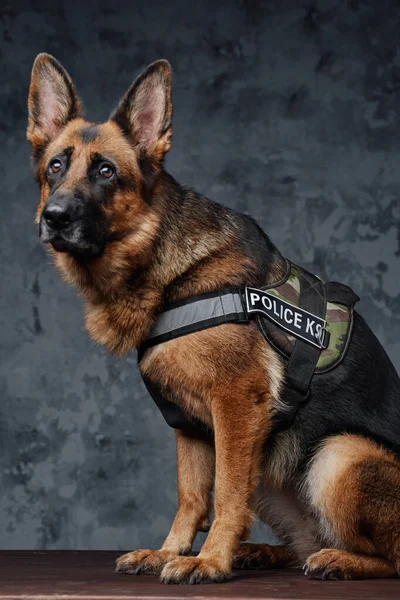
145, 111
52, 101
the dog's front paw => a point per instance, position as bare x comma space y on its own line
193, 569
148, 562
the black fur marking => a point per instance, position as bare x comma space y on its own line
89, 134
86, 236
149, 175
96, 161
37, 153
101, 189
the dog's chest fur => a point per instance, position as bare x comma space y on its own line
192, 370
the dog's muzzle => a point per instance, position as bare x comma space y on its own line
67, 223
60, 213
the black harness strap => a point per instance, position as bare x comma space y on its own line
340, 293
301, 365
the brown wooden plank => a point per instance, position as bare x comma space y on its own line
90, 576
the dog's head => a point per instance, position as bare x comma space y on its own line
96, 179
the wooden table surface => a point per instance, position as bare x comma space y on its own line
90, 576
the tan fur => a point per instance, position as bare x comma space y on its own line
352, 490
194, 384
331, 492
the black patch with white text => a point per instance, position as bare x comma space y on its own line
300, 323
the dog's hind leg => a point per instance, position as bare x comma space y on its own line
262, 556
353, 488
196, 468
334, 564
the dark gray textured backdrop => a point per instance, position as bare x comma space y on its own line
286, 110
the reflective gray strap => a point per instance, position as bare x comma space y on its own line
196, 315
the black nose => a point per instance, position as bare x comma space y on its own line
58, 214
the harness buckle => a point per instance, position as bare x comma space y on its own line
243, 304
323, 337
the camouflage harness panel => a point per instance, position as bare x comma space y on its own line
339, 320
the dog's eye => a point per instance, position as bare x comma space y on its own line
106, 171
55, 165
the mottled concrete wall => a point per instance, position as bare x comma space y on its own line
282, 110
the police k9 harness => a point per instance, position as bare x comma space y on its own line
309, 322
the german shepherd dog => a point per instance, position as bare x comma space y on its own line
131, 239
